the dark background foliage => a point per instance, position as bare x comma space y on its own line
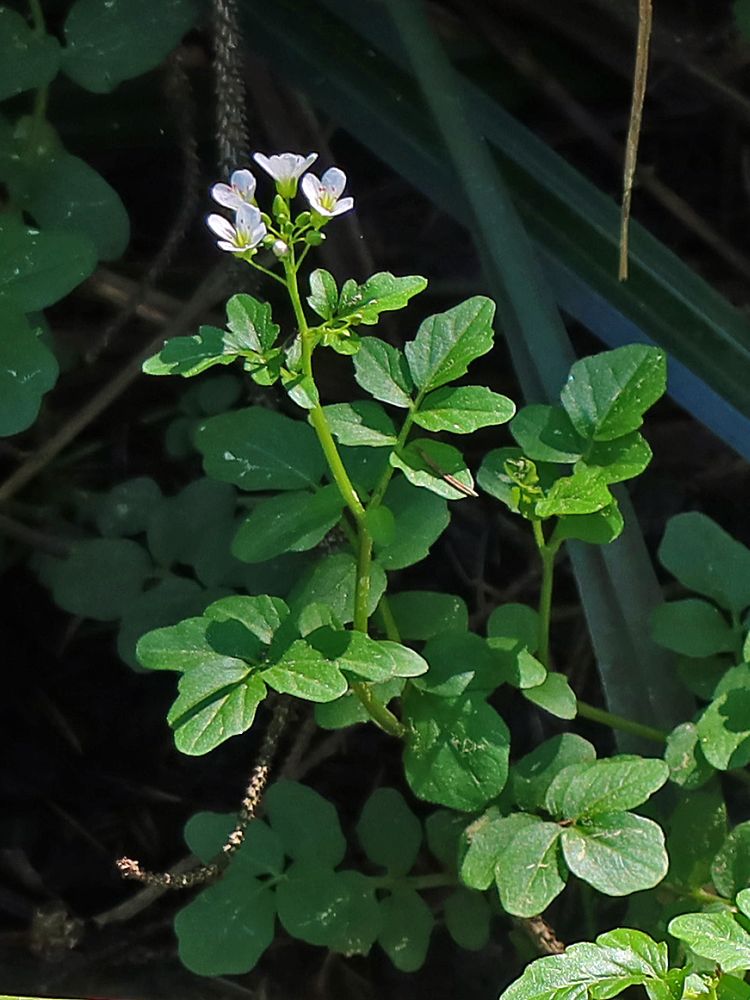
89, 769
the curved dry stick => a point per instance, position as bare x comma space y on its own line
640, 76
256, 786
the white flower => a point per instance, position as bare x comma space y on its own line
286, 169
246, 233
324, 194
239, 191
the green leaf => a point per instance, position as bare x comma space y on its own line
304, 673
599, 528
126, 509
100, 578
620, 459
583, 492
447, 343
704, 558
252, 330
697, 830
422, 614
688, 768
180, 647
99, 51
70, 196
324, 295
715, 936
436, 466
260, 449
335, 909
367, 658
389, 832
512, 627
172, 600
39, 268
463, 410
619, 853
407, 926
692, 627
420, 519
332, 582
546, 434
443, 830
467, 919
460, 661
363, 422
348, 710
533, 774
529, 871
362, 304
483, 843
457, 750
260, 853
743, 901
28, 60
261, 615
607, 786
554, 695
617, 960
172, 537
741, 11
730, 870
306, 823
226, 929
494, 480
382, 371
724, 727
28, 369
188, 356
290, 522
606, 396
215, 702
381, 524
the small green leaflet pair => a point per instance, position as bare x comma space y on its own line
589, 830
625, 957
595, 431
289, 867
241, 646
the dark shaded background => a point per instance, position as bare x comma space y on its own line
89, 769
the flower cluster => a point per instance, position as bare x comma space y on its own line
251, 227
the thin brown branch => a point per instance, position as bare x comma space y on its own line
640, 77
202, 873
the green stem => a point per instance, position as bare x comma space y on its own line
699, 895
379, 492
37, 16
389, 622
595, 714
436, 880
376, 709
380, 714
259, 267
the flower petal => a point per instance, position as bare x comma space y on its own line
343, 205
221, 227
243, 182
224, 195
334, 180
